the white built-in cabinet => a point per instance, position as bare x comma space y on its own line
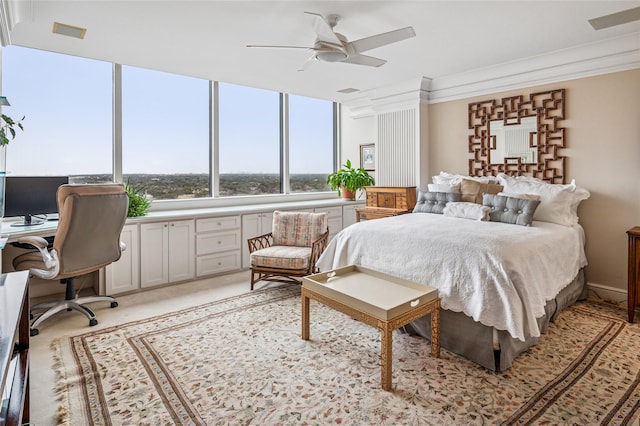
349, 214
254, 225
124, 275
335, 219
178, 250
167, 252
217, 245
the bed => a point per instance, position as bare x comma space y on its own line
500, 282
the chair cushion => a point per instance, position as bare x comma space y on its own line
282, 257
298, 229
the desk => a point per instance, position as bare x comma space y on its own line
14, 348
12, 233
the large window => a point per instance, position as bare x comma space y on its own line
165, 133
249, 135
311, 143
165, 129
67, 102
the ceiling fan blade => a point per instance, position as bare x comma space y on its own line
323, 29
364, 60
280, 47
312, 59
614, 19
383, 39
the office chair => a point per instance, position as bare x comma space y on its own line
91, 218
291, 249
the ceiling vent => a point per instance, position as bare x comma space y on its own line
68, 30
614, 19
348, 90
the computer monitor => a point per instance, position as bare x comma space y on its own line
29, 196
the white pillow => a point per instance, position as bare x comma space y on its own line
444, 187
558, 202
453, 179
535, 197
465, 210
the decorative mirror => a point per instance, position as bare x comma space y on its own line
518, 136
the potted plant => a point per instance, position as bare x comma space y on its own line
348, 180
138, 201
8, 129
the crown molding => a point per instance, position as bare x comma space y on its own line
587, 60
11, 13
407, 94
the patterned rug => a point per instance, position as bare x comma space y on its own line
241, 361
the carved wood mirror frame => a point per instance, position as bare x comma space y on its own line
548, 108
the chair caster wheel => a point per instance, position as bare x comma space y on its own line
33, 332
93, 322
114, 304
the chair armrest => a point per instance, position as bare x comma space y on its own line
37, 242
49, 258
260, 242
317, 248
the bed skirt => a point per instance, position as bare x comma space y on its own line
460, 334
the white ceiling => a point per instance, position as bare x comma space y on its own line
207, 39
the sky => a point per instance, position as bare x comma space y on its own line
67, 102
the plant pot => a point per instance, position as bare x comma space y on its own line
347, 195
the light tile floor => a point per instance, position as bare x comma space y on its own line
131, 307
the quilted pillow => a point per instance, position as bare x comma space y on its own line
467, 211
558, 203
472, 190
434, 202
512, 210
298, 229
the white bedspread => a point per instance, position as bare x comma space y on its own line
499, 274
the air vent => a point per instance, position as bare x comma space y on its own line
68, 30
614, 19
348, 90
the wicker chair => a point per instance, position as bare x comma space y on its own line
291, 249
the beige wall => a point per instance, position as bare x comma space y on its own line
603, 150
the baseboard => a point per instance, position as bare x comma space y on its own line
608, 293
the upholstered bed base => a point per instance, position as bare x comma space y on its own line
462, 335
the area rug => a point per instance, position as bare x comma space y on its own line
241, 361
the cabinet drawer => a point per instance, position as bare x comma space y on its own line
216, 263
216, 242
217, 223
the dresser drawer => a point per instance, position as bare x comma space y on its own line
217, 223
217, 263
216, 242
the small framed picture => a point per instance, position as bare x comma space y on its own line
368, 157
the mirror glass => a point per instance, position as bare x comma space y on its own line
511, 141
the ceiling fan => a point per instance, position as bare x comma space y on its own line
331, 46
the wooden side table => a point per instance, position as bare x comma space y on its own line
633, 275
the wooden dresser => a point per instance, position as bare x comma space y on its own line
633, 292
385, 201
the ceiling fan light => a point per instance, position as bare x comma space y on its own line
334, 56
